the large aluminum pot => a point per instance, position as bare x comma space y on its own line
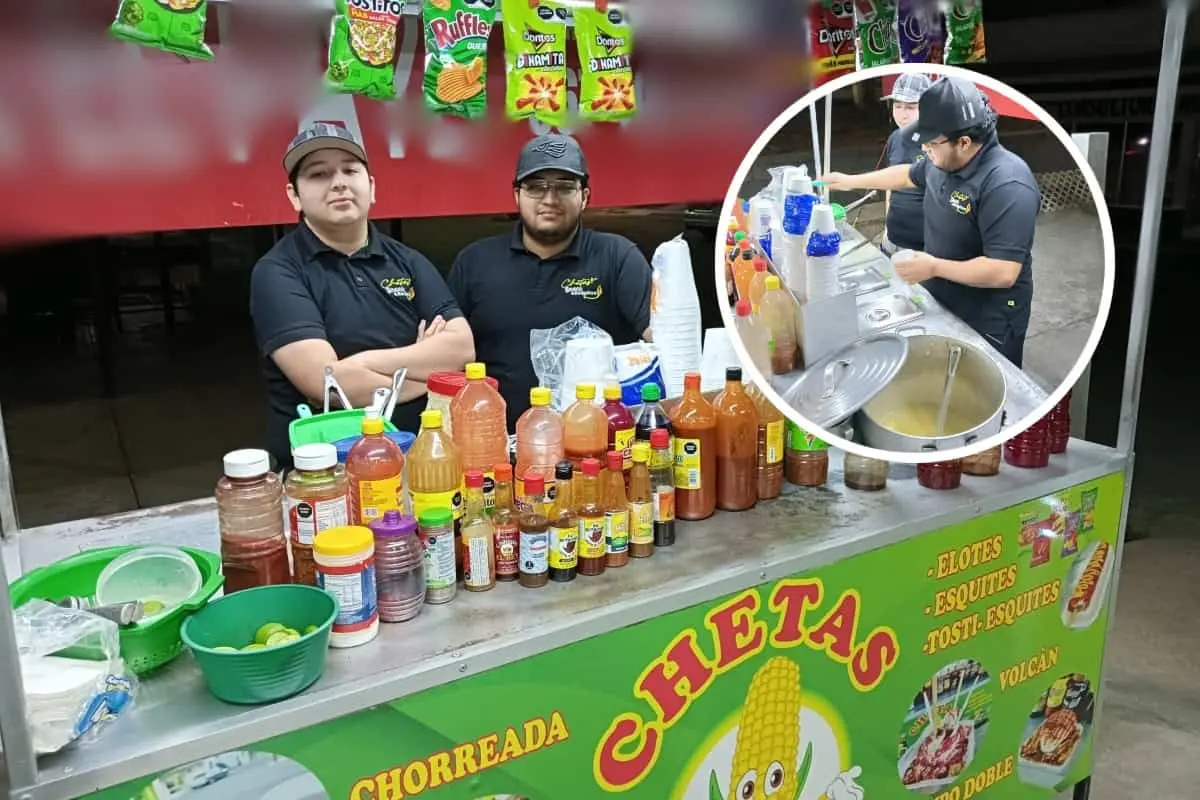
903, 417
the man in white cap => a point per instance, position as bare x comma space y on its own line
905, 227
335, 292
981, 203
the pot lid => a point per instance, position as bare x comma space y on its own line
837, 386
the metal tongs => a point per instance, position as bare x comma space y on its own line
951, 370
385, 399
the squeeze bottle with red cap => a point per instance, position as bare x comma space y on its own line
755, 336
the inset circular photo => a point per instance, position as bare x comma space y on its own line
944, 727
918, 264
1058, 728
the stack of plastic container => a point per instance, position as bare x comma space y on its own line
822, 261
675, 314
798, 202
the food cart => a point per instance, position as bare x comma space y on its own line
827, 644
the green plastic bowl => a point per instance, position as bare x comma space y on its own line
144, 647
273, 673
329, 428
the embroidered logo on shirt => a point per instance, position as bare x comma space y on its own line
400, 288
583, 288
960, 202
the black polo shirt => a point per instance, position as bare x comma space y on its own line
905, 214
505, 291
372, 300
987, 208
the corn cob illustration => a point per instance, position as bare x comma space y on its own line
1085, 589
768, 739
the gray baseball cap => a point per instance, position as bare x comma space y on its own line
551, 151
948, 106
909, 87
321, 136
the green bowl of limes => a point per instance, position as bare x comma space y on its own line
264, 644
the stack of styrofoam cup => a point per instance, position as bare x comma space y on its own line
675, 314
821, 258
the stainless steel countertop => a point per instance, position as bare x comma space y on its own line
1024, 394
175, 720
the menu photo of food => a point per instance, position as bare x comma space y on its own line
943, 727
1085, 585
1058, 729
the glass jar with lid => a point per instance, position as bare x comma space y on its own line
863, 473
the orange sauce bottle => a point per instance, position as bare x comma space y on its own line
616, 511
694, 421
593, 552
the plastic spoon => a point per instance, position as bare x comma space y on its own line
951, 371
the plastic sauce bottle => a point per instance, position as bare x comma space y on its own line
563, 557
478, 538
506, 525
758, 282
737, 445
769, 458
539, 437
806, 461
743, 271
375, 466
755, 337
592, 549
695, 424
620, 426
250, 513
318, 498
650, 415
641, 504
585, 427
616, 511
480, 428
778, 312
662, 484
435, 470
535, 535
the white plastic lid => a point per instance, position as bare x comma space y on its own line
822, 219
798, 181
312, 457
248, 463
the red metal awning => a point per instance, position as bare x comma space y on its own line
1005, 106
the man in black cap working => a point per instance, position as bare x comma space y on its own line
547, 270
981, 203
335, 292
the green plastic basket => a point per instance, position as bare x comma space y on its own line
144, 647
329, 428
261, 676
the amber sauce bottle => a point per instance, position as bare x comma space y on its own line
564, 527
641, 503
593, 553
694, 421
737, 445
507, 526
616, 511
769, 459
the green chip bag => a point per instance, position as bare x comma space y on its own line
176, 26
875, 33
605, 42
362, 48
535, 61
456, 40
964, 33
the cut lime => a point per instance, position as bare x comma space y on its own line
311, 629
254, 646
152, 607
295, 634
281, 637
225, 649
266, 631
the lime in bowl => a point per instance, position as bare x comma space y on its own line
264, 644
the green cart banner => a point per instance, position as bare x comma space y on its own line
961, 662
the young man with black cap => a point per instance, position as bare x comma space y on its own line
548, 269
905, 226
981, 203
335, 292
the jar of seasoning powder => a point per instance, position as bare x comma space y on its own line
399, 567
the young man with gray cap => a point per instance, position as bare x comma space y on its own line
548, 269
335, 292
905, 226
981, 203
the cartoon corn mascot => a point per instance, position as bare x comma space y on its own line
768, 743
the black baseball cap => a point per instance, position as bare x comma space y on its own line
551, 151
948, 106
321, 136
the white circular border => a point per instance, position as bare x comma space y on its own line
1106, 291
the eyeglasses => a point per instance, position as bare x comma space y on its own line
539, 189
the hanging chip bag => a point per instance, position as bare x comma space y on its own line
456, 41
605, 43
920, 31
831, 39
964, 32
176, 26
535, 61
362, 48
875, 33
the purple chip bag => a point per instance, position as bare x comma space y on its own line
920, 31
